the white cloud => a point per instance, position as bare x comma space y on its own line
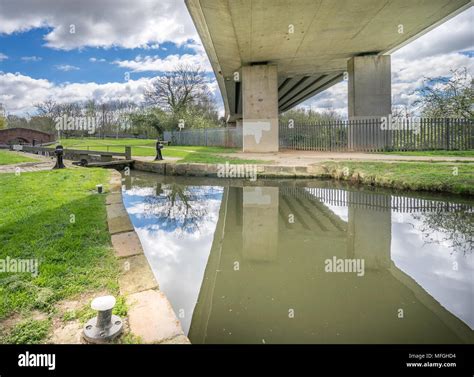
3, 57
334, 98
408, 75
95, 60
104, 23
31, 58
67, 67
157, 64
19, 93
452, 36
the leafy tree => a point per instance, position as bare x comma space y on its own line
3, 120
304, 116
444, 97
154, 118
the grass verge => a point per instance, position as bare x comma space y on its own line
9, 158
56, 218
456, 179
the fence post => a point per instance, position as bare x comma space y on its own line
349, 134
128, 153
447, 133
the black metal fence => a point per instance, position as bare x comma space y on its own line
373, 135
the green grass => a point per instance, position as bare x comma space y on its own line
9, 158
29, 331
146, 148
469, 153
457, 179
36, 221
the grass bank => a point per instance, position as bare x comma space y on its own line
456, 179
56, 218
9, 158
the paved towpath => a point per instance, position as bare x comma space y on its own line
305, 158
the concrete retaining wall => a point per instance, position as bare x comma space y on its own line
211, 170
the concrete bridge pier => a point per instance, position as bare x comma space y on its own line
369, 233
260, 108
370, 97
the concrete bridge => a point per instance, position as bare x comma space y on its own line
270, 55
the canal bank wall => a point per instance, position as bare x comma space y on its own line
212, 170
150, 314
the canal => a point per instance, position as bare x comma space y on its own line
307, 261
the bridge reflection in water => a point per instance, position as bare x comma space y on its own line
265, 280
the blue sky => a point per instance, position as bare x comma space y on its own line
27, 54
41, 58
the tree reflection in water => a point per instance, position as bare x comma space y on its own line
454, 228
177, 208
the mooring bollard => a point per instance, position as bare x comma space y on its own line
159, 147
59, 151
106, 326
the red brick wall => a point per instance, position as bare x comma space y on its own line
26, 135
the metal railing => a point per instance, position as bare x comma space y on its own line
365, 135
210, 137
374, 201
375, 135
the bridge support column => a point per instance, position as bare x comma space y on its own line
260, 223
370, 96
260, 108
369, 230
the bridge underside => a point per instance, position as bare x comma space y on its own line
309, 44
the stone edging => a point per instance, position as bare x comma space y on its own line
210, 170
150, 314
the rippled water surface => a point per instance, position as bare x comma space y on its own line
307, 261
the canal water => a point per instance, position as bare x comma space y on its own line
307, 261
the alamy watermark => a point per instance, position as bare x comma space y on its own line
14, 265
74, 123
345, 265
237, 171
390, 123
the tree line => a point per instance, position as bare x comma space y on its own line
181, 98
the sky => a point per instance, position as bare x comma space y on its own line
90, 49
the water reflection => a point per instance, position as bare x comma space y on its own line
245, 263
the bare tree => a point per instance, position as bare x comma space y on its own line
177, 207
48, 108
178, 89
